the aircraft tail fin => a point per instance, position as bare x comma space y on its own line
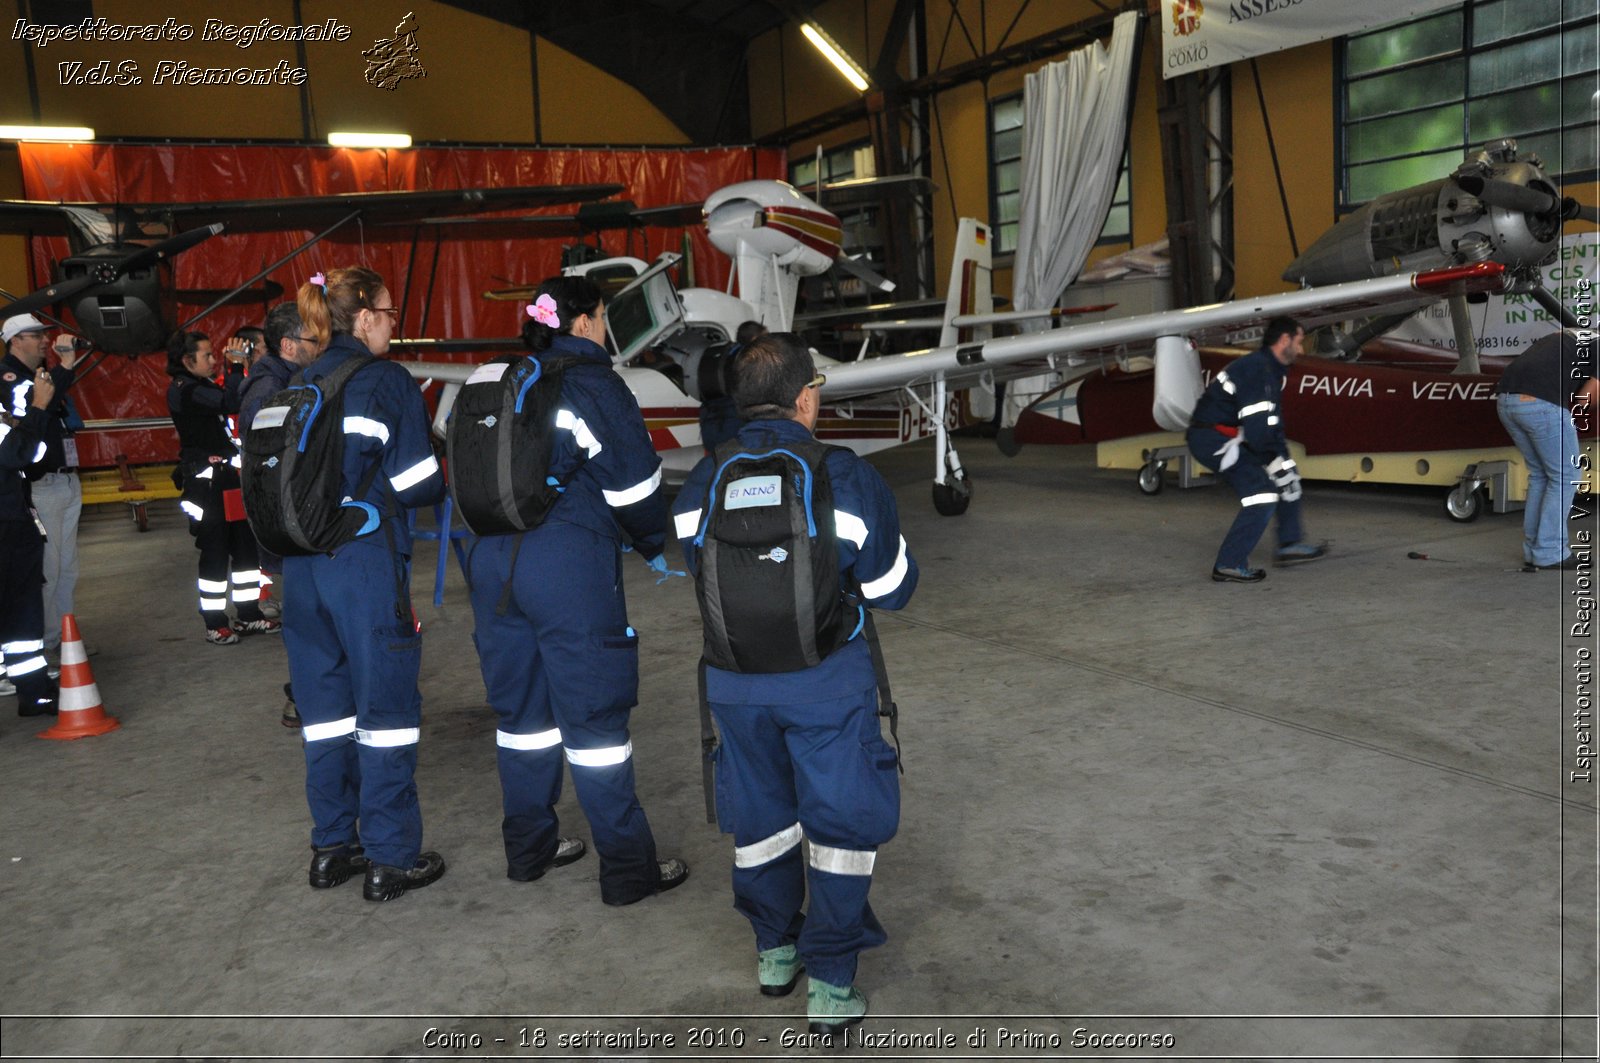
971, 290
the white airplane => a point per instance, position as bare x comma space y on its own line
775, 236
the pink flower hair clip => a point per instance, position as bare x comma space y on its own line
543, 310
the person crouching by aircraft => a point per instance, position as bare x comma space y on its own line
284, 349
354, 646
560, 661
1236, 430
1536, 393
801, 754
209, 460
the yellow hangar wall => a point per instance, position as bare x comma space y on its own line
478, 89
790, 83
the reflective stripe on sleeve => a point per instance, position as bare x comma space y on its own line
600, 758
366, 426
686, 524
1272, 419
842, 861
637, 493
317, 732
1257, 407
204, 474
767, 849
389, 737
849, 526
1227, 385
537, 740
580, 431
416, 474
1259, 500
886, 583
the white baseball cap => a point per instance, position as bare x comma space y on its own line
21, 323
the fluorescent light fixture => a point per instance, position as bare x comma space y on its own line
834, 54
46, 132
369, 140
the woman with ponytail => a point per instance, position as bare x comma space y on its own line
560, 662
354, 647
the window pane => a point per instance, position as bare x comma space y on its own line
1403, 134
1405, 90
803, 173
1512, 114
1515, 65
1545, 145
1371, 181
1580, 100
1007, 113
1008, 145
1116, 226
1007, 206
1006, 238
1122, 194
1503, 19
1580, 49
1582, 153
1006, 176
1439, 35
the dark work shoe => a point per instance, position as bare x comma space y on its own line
1238, 575
386, 883
670, 875
45, 707
1298, 553
568, 850
336, 864
1567, 563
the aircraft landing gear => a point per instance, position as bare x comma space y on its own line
1152, 477
952, 490
1006, 440
952, 497
1464, 503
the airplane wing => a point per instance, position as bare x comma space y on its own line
294, 213
1081, 345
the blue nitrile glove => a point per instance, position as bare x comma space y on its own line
658, 564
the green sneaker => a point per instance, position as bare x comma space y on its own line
779, 970
833, 1007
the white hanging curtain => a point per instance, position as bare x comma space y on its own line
1074, 116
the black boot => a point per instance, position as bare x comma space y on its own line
386, 883
336, 863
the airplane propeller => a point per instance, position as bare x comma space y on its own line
110, 269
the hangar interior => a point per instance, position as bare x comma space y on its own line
1344, 814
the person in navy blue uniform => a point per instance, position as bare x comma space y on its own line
354, 647
801, 753
22, 447
560, 661
1236, 430
210, 461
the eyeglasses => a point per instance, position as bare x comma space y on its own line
817, 381
392, 311
302, 339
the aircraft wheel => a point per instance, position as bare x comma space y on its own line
1152, 477
141, 519
1006, 440
1464, 505
952, 499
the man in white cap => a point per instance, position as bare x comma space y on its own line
57, 494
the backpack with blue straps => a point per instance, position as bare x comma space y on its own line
293, 466
768, 579
501, 434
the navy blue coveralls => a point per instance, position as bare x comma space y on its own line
1236, 430
210, 462
22, 557
801, 752
560, 663
354, 649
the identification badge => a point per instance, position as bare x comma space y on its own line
37, 523
69, 446
753, 491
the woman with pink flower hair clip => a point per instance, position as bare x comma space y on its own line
560, 661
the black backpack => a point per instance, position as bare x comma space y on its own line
768, 580
502, 428
294, 463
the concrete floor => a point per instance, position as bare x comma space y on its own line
1325, 816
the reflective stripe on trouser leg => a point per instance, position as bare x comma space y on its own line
1258, 498
22, 610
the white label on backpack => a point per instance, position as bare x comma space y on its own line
754, 491
270, 417
488, 373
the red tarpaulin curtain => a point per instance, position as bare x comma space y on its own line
124, 388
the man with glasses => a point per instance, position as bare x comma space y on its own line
801, 756
285, 351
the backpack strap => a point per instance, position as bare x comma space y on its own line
511, 577
886, 702
709, 742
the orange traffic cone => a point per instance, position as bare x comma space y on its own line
82, 714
